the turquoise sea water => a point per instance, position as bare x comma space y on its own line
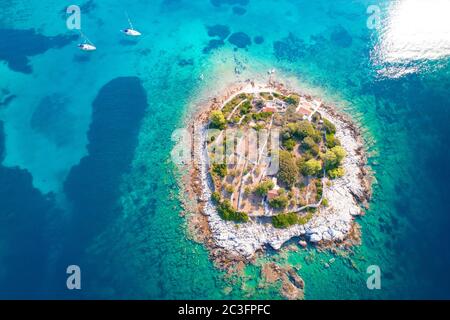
86, 176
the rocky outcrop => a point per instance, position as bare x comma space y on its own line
292, 285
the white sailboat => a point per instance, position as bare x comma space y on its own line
87, 45
131, 31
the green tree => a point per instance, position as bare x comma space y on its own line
285, 220
245, 107
289, 144
227, 212
330, 159
263, 188
329, 126
333, 158
311, 145
215, 197
279, 202
340, 153
229, 188
316, 117
219, 169
332, 141
291, 100
304, 129
312, 167
288, 170
336, 173
218, 120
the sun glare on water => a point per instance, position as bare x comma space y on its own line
413, 32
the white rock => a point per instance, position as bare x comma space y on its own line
315, 237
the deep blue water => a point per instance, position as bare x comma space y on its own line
85, 142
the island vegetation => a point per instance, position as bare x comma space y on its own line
310, 154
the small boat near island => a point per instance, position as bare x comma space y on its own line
87, 45
131, 31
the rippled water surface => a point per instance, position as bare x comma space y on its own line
85, 140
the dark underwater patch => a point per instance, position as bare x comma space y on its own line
88, 6
127, 42
341, 37
290, 48
212, 45
240, 40
218, 3
82, 58
170, 5
218, 30
239, 11
25, 236
258, 39
18, 45
5, 98
2, 142
93, 185
186, 62
52, 119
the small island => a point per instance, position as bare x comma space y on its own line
270, 164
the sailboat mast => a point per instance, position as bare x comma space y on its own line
129, 21
86, 38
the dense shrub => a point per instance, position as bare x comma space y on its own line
319, 190
215, 197
264, 187
329, 127
305, 218
289, 144
288, 171
229, 188
336, 173
261, 115
218, 120
311, 145
340, 153
292, 100
332, 141
304, 129
245, 107
330, 160
316, 117
219, 169
279, 202
285, 220
312, 167
227, 212
333, 158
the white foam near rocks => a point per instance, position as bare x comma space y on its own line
332, 223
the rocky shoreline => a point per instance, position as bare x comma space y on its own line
230, 243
